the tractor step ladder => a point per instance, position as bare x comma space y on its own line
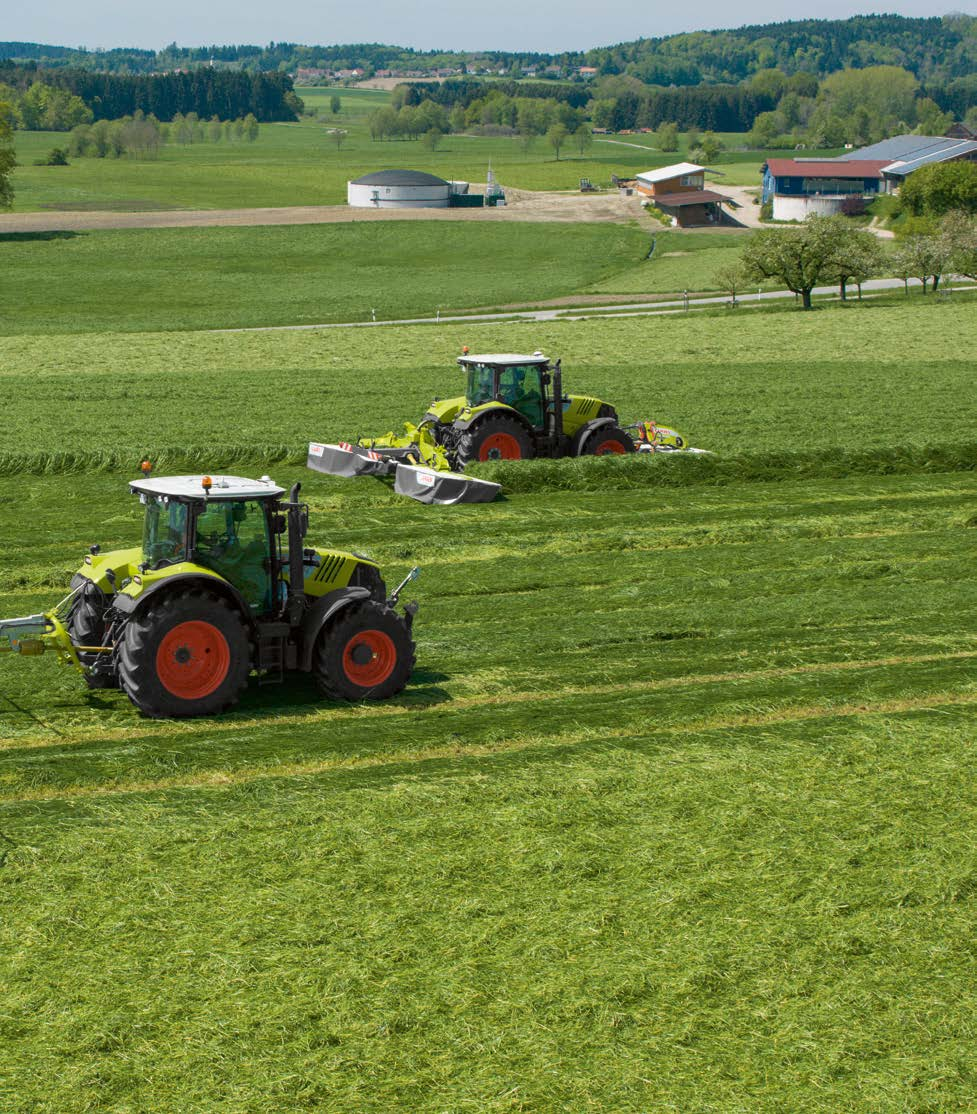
271, 653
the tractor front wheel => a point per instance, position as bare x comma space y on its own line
86, 627
606, 440
187, 654
365, 653
494, 438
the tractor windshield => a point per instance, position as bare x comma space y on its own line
164, 536
481, 385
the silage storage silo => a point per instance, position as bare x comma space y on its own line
399, 189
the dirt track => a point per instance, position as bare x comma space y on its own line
521, 205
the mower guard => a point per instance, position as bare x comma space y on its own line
348, 460
443, 489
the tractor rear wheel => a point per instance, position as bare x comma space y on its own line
606, 440
186, 654
365, 653
496, 437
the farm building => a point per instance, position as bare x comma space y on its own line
904, 154
678, 190
399, 189
800, 187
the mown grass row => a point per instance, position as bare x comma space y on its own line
674, 815
820, 382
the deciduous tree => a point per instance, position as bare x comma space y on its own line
556, 137
799, 258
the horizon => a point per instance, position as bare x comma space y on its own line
240, 27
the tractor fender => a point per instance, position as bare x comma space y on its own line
579, 440
320, 613
461, 423
131, 605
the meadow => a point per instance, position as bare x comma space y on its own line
675, 814
201, 278
299, 164
733, 382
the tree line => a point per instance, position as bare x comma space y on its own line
227, 95
935, 49
141, 136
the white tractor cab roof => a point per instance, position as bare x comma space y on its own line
219, 487
507, 359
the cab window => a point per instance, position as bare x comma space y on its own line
480, 384
232, 540
519, 387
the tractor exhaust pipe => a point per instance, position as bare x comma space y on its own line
557, 383
297, 524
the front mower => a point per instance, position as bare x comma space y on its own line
222, 586
513, 408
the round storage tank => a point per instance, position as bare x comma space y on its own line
399, 189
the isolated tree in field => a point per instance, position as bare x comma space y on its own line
731, 278
338, 136
335, 104
556, 137
583, 138
923, 257
432, 139
251, 127
858, 256
798, 258
666, 138
7, 160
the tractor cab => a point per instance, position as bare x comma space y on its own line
228, 526
516, 381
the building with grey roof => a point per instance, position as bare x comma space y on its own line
907, 153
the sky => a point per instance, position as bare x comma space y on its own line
548, 26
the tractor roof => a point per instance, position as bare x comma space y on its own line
507, 359
222, 487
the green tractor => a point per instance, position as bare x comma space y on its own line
514, 408
223, 585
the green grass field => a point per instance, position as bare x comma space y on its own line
198, 278
298, 164
675, 815
744, 382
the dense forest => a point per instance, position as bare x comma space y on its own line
936, 50
225, 94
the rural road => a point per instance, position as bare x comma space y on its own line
629, 309
521, 205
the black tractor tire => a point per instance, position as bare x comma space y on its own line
86, 627
608, 439
364, 653
187, 653
494, 437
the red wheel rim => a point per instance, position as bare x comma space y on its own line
500, 446
192, 660
367, 672
610, 446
